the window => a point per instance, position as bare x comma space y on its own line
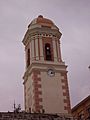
28, 57
48, 52
88, 110
81, 116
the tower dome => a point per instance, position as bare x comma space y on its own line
40, 21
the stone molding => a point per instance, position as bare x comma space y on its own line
33, 116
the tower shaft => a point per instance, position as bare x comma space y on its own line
45, 78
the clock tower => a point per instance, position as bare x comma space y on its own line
45, 79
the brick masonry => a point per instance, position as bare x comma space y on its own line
65, 92
37, 92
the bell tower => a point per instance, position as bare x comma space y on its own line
45, 79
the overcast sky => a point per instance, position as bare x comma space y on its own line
73, 19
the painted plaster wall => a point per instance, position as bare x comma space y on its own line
52, 93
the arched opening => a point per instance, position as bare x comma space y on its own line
28, 57
48, 55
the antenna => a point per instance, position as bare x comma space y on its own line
14, 106
89, 67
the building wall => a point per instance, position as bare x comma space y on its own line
82, 110
28, 93
30, 116
45, 92
52, 93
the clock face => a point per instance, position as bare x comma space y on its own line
51, 72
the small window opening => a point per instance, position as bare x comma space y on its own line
48, 51
28, 57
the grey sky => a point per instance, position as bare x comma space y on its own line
73, 19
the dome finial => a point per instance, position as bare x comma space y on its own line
40, 16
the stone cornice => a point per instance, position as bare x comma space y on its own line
40, 32
58, 67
